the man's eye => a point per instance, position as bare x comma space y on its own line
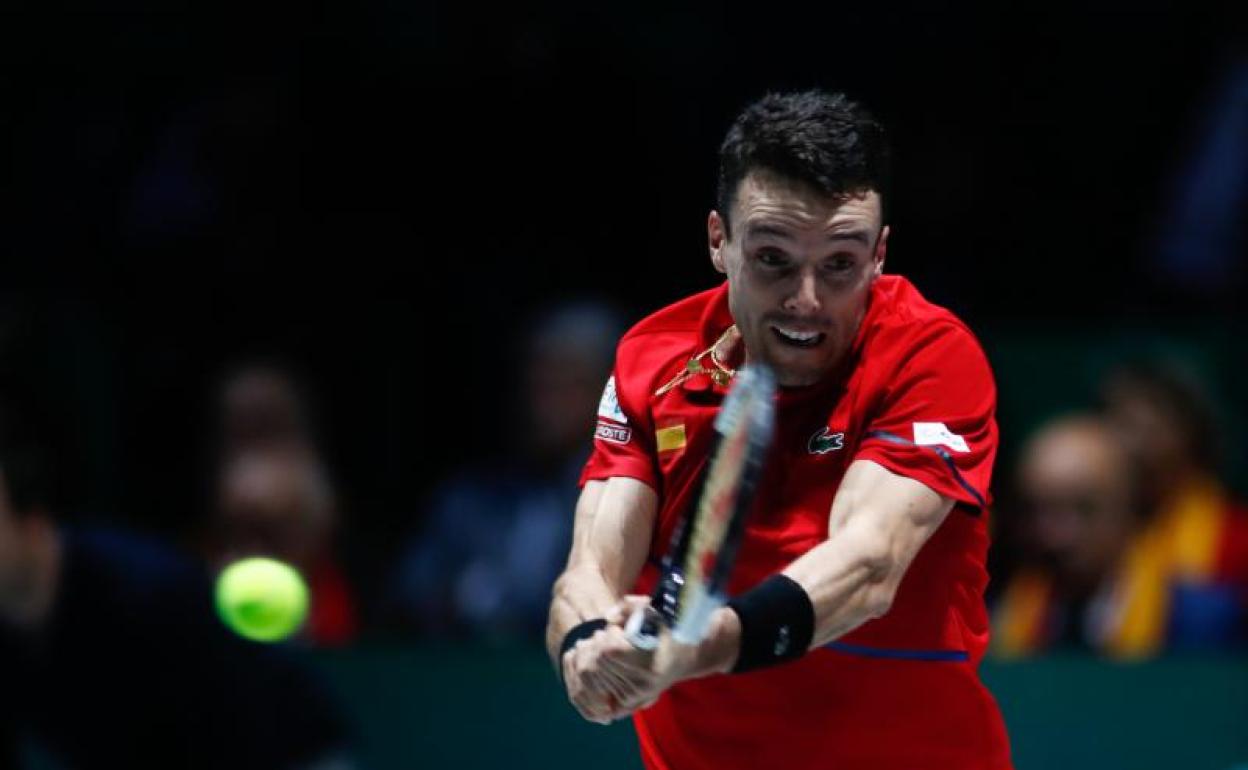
772, 258
841, 264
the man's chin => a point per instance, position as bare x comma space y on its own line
791, 379
794, 367
789, 375
795, 371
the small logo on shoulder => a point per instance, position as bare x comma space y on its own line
825, 441
616, 434
937, 433
609, 405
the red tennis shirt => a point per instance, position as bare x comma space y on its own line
915, 395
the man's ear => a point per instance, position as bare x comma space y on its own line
716, 238
881, 250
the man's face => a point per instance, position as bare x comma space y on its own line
1075, 487
800, 267
275, 502
562, 388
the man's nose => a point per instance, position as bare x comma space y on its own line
805, 297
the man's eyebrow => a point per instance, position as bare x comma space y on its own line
861, 236
760, 230
757, 230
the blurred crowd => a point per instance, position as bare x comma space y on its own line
1116, 535
110, 647
111, 652
1115, 529
1124, 537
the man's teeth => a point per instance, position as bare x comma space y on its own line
798, 336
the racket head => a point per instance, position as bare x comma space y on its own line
698, 575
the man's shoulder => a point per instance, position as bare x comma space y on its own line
138, 561
905, 320
670, 333
106, 568
680, 320
905, 306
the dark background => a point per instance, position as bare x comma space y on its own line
383, 192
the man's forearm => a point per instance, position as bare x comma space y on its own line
614, 520
848, 584
879, 521
846, 590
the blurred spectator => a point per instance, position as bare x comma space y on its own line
274, 496
495, 537
1075, 493
1192, 557
1167, 424
261, 408
112, 656
1137, 547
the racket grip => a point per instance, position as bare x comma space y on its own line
643, 627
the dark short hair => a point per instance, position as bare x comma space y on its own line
823, 140
1181, 393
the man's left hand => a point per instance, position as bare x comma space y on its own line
648, 672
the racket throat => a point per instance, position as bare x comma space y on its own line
695, 618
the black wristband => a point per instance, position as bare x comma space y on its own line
578, 632
777, 623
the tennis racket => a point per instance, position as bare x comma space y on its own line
704, 545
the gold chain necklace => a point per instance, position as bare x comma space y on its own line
721, 374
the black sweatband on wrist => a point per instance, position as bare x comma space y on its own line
578, 632
777, 623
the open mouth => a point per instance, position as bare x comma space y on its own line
798, 339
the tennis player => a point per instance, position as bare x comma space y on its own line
858, 621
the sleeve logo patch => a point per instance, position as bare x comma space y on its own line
609, 406
937, 433
616, 434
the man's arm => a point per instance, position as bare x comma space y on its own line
878, 523
614, 522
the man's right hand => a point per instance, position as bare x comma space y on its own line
606, 677
589, 688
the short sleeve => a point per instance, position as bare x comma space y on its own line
936, 423
623, 437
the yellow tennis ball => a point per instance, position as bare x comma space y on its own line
262, 599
